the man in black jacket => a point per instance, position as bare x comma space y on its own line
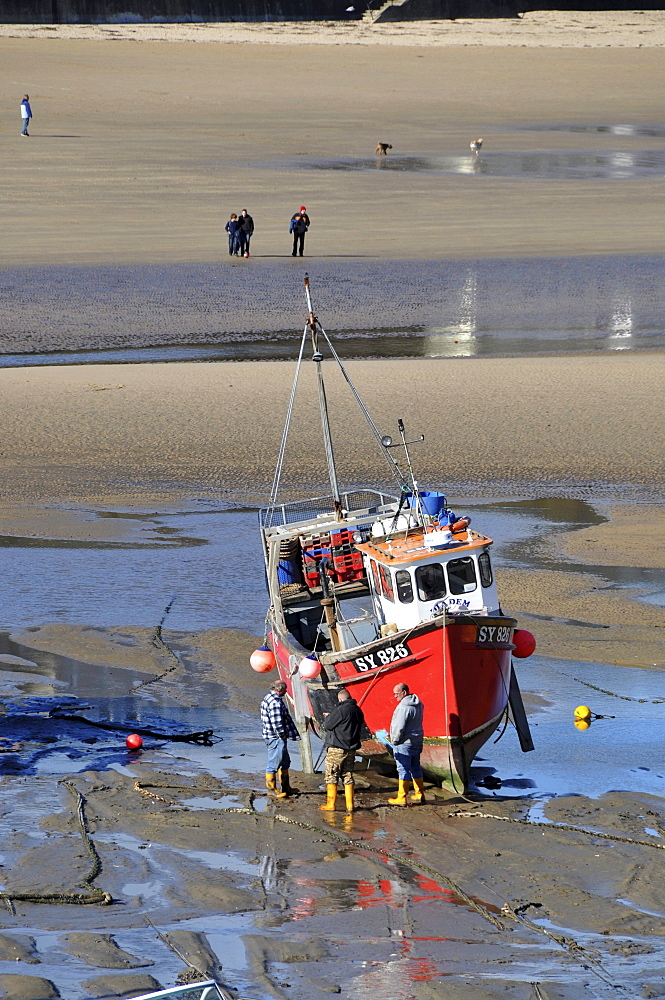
343, 728
245, 231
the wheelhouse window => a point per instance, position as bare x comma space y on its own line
485, 567
386, 583
430, 582
461, 576
404, 586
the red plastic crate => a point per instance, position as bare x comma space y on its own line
348, 566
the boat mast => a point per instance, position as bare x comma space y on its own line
317, 357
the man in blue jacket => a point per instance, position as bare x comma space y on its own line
26, 114
406, 738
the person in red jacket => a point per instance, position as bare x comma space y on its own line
299, 226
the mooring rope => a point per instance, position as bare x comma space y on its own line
159, 642
612, 694
468, 814
93, 895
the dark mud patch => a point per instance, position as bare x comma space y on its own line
17, 948
17, 987
102, 951
120, 986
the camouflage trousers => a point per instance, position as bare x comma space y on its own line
339, 763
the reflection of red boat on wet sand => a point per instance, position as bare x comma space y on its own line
368, 589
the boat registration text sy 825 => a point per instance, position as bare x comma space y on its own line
382, 657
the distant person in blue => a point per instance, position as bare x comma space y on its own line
232, 227
26, 113
299, 226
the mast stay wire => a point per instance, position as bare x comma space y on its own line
285, 433
394, 467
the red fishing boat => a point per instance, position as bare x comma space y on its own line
370, 588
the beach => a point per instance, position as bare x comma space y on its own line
129, 493
140, 150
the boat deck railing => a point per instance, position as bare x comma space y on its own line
356, 502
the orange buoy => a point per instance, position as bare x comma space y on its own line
134, 742
525, 643
460, 525
309, 667
262, 660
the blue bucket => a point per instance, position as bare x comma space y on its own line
289, 571
431, 502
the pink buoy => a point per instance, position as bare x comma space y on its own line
134, 742
525, 643
262, 660
309, 667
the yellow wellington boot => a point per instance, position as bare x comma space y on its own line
418, 795
400, 798
331, 798
287, 788
348, 795
271, 785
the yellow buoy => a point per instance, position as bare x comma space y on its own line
582, 723
582, 712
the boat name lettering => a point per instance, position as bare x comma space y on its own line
493, 633
382, 657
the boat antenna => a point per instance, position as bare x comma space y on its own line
314, 327
388, 442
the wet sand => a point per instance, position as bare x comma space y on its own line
374, 309
137, 432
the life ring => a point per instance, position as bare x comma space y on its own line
460, 525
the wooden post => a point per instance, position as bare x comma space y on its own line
306, 758
519, 715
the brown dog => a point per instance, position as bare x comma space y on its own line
382, 148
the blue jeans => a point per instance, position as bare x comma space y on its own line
26, 122
278, 755
234, 243
407, 758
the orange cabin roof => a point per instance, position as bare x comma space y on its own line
409, 548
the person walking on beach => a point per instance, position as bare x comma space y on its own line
277, 727
232, 227
406, 741
26, 113
246, 224
343, 727
299, 226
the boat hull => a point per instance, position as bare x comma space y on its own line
459, 666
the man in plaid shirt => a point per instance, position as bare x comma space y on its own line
277, 727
